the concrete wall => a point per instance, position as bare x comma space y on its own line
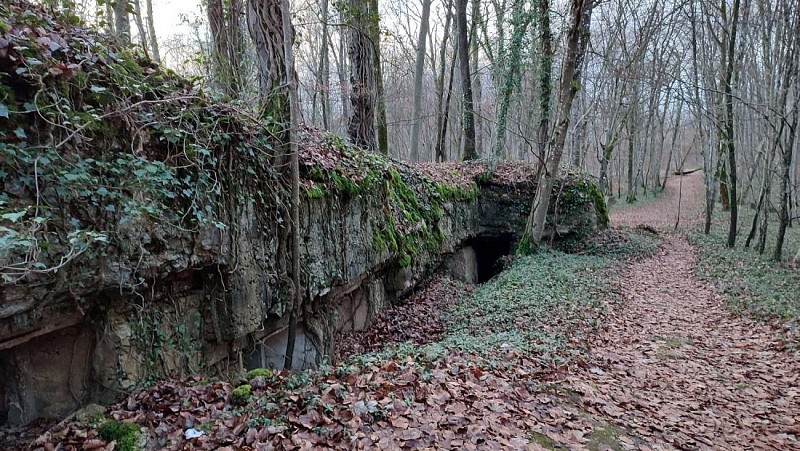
215, 302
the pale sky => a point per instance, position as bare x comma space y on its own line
167, 15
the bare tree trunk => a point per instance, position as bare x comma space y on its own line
729, 143
764, 202
793, 74
470, 152
545, 79
708, 173
631, 197
677, 125
419, 72
294, 121
786, 164
363, 96
324, 68
151, 27
441, 107
122, 24
567, 89
375, 37
441, 150
343, 70
137, 17
477, 85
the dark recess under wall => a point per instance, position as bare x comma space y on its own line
489, 250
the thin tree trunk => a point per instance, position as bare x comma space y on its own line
672, 145
567, 89
294, 121
786, 165
343, 70
441, 153
375, 38
137, 17
151, 27
441, 109
545, 79
793, 74
729, 126
631, 197
477, 85
324, 69
470, 152
419, 72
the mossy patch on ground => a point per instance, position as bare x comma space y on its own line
126, 435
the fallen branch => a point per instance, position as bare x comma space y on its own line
687, 172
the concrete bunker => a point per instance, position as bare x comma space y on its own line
489, 252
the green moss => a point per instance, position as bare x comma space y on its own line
458, 192
600, 206
404, 261
526, 246
484, 178
241, 394
126, 435
543, 441
344, 184
259, 372
605, 438
315, 192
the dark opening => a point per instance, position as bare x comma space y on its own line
489, 250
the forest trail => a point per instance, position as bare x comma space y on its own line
683, 198
673, 368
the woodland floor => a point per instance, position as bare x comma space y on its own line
669, 367
676, 369
673, 367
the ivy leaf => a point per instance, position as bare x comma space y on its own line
14, 216
97, 89
20, 133
3, 110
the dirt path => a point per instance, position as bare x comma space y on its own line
683, 198
674, 369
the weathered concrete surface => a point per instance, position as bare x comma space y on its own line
214, 302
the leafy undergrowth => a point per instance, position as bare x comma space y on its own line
753, 284
541, 307
631, 243
546, 305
